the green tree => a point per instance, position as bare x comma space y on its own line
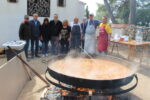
121, 11
124, 11
87, 12
143, 17
101, 11
143, 3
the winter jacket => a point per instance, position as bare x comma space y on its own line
25, 31
55, 28
45, 32
35, 29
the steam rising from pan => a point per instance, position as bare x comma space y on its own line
92, 67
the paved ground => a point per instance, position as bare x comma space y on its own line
34, 89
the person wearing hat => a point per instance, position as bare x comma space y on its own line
90, 35
25, 32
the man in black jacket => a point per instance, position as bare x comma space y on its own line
55, 28
35, 35
25, 32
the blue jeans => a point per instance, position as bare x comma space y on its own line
34, 41
45, 47
75, 42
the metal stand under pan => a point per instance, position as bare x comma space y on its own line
74, 94
53, 94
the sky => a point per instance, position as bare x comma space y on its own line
92, 4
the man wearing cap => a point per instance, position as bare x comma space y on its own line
25, 32
90, 35
35, 35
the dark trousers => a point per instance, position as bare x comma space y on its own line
26, 47
75, 42
64, 46
55, 45
82, 43
45, 47
34, 42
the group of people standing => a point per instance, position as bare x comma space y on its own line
64, 37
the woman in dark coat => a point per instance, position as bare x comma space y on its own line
45, 34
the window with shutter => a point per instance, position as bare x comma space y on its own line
61, 3
13, 1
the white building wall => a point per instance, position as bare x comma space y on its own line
11, 15
81, 11
73, 9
